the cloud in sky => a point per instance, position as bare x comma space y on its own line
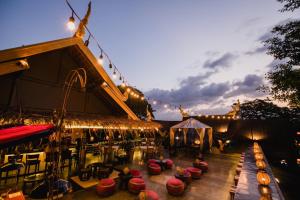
247, 87
258, 50
198, 93
222, 62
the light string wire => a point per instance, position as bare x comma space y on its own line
113, 67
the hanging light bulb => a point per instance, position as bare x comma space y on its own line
128, 89
71, 23
114, 74
120, 78
123, 84
137, 96
110, 65
154, 102
100, 59
142, 98
166, 106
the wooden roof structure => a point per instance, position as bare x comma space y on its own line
11, 62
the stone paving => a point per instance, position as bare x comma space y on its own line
214, 184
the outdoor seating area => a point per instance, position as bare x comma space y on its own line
150, 100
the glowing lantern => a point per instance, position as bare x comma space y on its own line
263, 178
260, 164
259, 156
256, 150
197, 142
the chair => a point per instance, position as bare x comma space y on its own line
11, 167
66, 155
50, 157
15, 158
32, 159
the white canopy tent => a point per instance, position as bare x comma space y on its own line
192, 123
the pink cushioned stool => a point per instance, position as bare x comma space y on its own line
175, 187
106, 187
154, 169
195, 172
135, 173
135, 185
149, 195
169, 163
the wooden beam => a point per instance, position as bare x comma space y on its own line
13, 66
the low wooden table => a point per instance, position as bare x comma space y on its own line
33, 179
94, 181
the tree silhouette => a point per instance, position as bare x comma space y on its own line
285, 46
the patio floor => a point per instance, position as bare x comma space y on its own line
214, 184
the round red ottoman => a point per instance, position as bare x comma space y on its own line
169, 163
135, 173
202, 165
195, 172
150, 161
135, 185
175, 187
154, 169
106, 187
148, 194
188, 175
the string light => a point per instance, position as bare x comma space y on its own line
100, 59
123, 85
87, 42
71, 23
114, 74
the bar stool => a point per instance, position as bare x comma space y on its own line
50, 158
66, 155
11, 167
15, 158
32, 159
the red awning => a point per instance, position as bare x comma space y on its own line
22, 132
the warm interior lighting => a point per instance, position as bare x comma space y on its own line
71, 23
128, 90
104, 84
154, 102
123, 85
166, 106
197, 141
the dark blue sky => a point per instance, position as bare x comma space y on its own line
203, 54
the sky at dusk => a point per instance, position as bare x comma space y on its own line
202, 54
